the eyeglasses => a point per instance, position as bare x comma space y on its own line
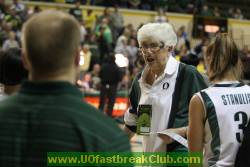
153, 47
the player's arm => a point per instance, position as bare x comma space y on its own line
196, 126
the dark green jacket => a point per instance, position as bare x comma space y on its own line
49, 117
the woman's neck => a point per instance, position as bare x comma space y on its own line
153, 74
157, 71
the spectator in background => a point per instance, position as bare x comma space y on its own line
132, 30
191, 7
96, 70
161, 16
198, 6
183, 41
85, 57
94, 49
11, 42
133, 35
34, 11
134, 4
110, 75
37, 9
230, 13
195, 54
123, 3
85, 83
245, 52
76, 11
95, 76
48, 113
106, 15
181, 6
134, 72
96, 80
2, 9
146, 4
124, 85
132, 51
104, 39
163, 4
12, 71
104, 26
216, 12
122, 42
206, 11
124, 37
139, 62
6, 28
89, 19
13, 19
238, 14
19, 8
103, 45
117, 22
83, 31
68, 1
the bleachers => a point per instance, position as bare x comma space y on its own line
239, 28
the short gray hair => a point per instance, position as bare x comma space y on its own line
163, 32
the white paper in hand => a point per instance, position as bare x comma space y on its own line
176, 137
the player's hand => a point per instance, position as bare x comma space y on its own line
180, 131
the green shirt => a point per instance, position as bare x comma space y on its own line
49, 117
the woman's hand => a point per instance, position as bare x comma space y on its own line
180, 131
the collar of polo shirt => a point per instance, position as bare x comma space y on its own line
171, 66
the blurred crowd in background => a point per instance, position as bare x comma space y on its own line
106, 35
216, 8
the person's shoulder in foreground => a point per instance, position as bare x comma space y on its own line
29, 131
57, 112
48, 113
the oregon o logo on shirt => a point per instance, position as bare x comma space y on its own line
165, 85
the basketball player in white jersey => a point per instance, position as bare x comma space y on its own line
218, 114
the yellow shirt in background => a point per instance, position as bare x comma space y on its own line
89, 20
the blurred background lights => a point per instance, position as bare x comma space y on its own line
121, 60
81, 58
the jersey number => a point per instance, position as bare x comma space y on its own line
242, 117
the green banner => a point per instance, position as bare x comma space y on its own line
123, 159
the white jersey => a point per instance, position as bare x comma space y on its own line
227, 111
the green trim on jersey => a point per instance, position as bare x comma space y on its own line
214, 127
228, 85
